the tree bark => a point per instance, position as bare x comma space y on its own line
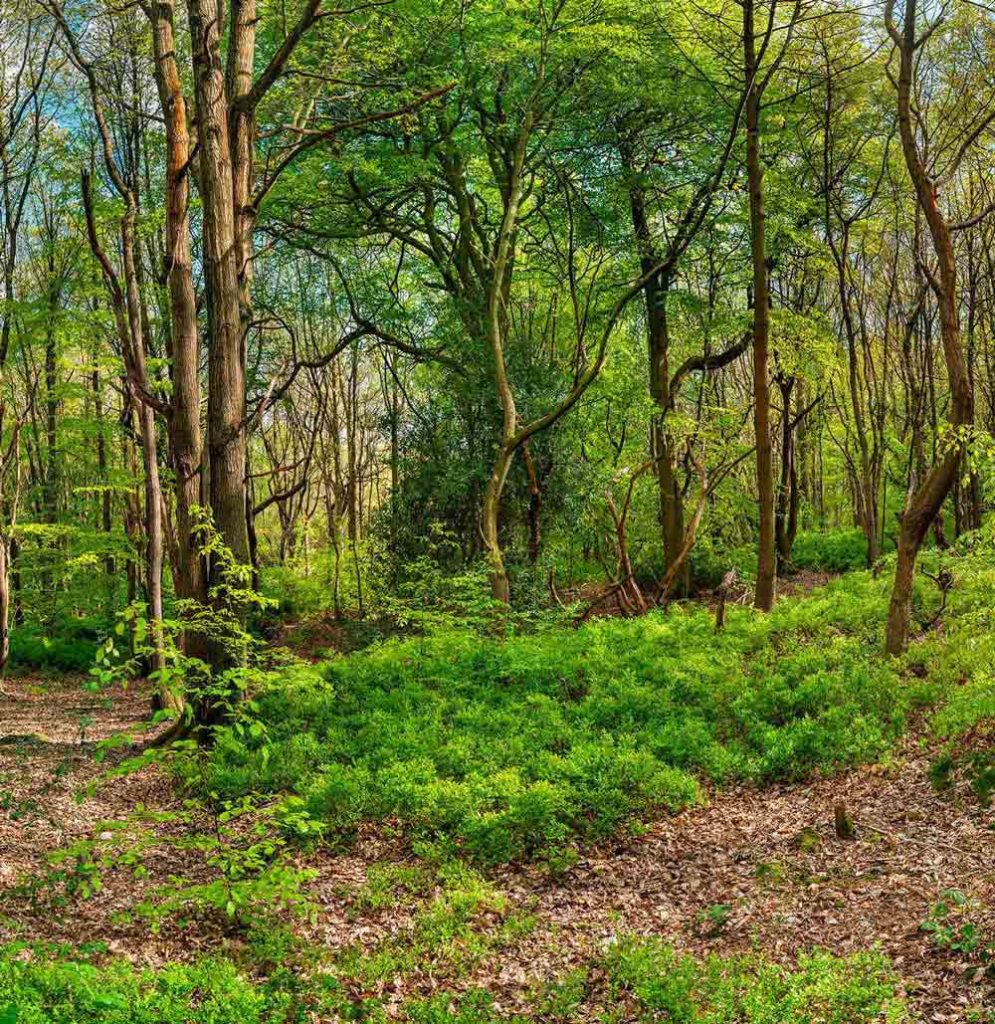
655, 298
226, 420
925, 503
786, 511
766, 557
184, 420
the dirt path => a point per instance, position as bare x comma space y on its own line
49, 732
754, 870
47, 736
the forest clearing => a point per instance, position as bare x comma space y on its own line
497, 511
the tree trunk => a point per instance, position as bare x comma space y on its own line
499, 290
52, 467
490, 522
786, 511
535, 505
226, 419
184, 422
242, 140
925, 503
766, 560
4, 603
134, 343
655, 292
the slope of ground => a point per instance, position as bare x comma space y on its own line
754, 870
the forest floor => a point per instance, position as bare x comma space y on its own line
753, 870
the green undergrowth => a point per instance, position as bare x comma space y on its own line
71, 649
37, 990
835, 551
961, 655
456, 919
636, 980
498, 749
665, 985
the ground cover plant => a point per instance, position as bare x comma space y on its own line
500, 748
590, 734
647, 977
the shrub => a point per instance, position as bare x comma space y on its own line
820, 989
71, 650
839, 551
502, 749
39, 991
836, 551
963, 651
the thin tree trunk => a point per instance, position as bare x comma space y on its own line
766, 556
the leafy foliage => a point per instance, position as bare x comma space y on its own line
497, 749
645, 975
951, 925
824, 989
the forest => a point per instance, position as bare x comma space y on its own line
497, 511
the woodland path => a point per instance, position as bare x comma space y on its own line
770, 858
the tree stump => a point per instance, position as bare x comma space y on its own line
844, 823
722, 592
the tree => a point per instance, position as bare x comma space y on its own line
925, 502
757, 77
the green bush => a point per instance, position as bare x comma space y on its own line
292, 591
710, 562
502, 749
967, 722
821, 989
836, 551
839, 551
31, 647
962, 653
40, 991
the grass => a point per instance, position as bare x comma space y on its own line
499, 749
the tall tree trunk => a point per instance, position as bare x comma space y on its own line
497, 327
52, 458
102, 466
184, 420
786, 511
133, 342
4, 603
226, 426
242, 140
971, 500
10, 487
655, 291
927, 500
766, 556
